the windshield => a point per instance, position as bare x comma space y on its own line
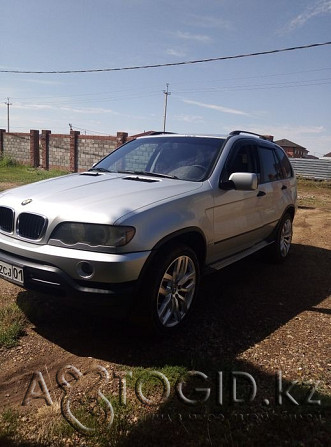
184, 158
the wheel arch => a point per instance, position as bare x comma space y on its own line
192, 237
289, 210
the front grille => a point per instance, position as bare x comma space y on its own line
6, 219
31, 226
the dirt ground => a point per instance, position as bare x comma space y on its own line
258, 317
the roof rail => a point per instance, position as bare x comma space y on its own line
155, 132
238, 132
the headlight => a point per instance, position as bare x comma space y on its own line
93, 235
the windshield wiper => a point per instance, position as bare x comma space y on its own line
152, 174
99, 170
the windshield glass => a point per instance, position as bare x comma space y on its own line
185, 158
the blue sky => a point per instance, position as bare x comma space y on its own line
287, 95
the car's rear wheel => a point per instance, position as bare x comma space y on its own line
280, 249
169, 289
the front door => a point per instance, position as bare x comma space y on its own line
238, 215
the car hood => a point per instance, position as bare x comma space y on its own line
91, 197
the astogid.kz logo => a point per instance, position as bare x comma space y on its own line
92, 385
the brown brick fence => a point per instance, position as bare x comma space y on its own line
72, 152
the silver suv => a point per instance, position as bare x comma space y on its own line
139, 228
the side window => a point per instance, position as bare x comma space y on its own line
243, 158
270, 165
285, 165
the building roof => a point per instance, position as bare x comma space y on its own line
311, 157
288, 143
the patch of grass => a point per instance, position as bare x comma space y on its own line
51, 423
313, 184
149, 378
8, 424
7, 162
13, 172
314, 194
10, 416
12, 324
95, 414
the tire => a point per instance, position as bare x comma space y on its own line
279, 250
169, 290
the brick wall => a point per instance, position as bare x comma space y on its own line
71, 152
16, 146
58, 152
93, 148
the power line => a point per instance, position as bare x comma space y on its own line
172, 64
73, 126
289, 84
64, 101
156, 92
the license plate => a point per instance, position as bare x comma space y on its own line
11, 273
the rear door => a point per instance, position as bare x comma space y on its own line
272, 188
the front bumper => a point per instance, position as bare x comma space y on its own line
56, 270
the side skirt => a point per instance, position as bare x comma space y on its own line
237, 257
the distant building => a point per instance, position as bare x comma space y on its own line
311, 157
293, 150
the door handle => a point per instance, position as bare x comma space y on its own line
261, 193
284, 187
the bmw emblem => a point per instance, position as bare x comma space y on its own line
26, 201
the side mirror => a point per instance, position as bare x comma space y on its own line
242, 181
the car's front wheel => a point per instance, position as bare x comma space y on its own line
169, 289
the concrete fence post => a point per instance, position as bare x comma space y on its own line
121, 138
74, 150
34, 148
2, 148
45, 148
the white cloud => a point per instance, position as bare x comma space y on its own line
90, 110
216, 107
195, 37
319, 8
6, 68
310, 129
189, 118
293, 131
33, 107
210, 22
43, 81
176, 53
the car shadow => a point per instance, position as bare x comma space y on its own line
237, 307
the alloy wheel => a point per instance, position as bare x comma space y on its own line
176, 291
286, 237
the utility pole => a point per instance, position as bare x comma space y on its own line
8, 104
166, 93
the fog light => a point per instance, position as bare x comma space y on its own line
85, 269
